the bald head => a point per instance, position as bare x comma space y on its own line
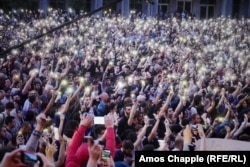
104, 97
179, 142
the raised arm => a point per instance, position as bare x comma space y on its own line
166, 104
221, 99
77, 138
51, 102
211, 107
110, 137
236, 126
142, 133
76, 93
66, 105
27, 86
179, 107
132, 114
34, 138
66, 70
187, 136
237, 91
227, 116
242, 101
241, 128
143, 84
159, 92
61, 156
203, 138
156, 125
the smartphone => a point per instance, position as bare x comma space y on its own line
105, 154
56, 133
104, 158
28, 157
194, 127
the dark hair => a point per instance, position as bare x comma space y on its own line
112, 105
71, 125
32, 98
132, 136
70, 128
193, 116
244, 137
231, 89
127, 66
68, 132
127, 144
43, 106
44, 70
222, 133
9, 119
30, 115
200, 109
95, 82
148, 147
9, 105
99, 129
209, 96
246, 90
19, 103
128, 105
197, 99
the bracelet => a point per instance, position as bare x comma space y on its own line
37, 133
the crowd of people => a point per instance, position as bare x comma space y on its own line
95, 91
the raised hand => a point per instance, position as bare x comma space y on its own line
86, 120
42, 120
50, 151
109, 122
187, 134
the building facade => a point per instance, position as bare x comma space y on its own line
202, 9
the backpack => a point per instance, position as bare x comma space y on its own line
3, 118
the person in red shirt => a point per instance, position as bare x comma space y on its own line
77, 153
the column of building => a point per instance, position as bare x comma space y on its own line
243, 9
154, 8
196, 8
227, 7
248, 9
95, 4
150, 9
125, 8
172, 6
43, 5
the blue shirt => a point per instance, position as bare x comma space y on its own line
100, 111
